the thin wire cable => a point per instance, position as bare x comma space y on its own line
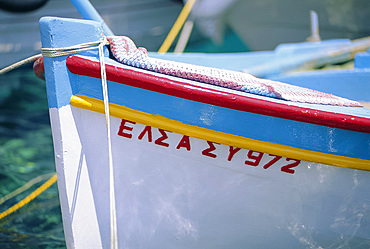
177, 26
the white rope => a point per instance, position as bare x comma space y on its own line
113, 217
54, 52
19, 63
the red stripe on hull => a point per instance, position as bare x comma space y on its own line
82, 66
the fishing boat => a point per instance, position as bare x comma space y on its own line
256, 22
285, 58
298, 64
153, 153
351, 83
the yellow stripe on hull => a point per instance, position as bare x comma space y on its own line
164, 123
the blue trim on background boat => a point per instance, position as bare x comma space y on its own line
284, 58
230, 61
358, 89
349, 83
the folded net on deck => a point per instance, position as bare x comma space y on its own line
125, 51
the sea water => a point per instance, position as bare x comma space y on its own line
26, 152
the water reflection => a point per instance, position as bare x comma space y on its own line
26, 152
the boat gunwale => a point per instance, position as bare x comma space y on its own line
158, 121
141, 78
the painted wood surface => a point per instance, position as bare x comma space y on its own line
180, 192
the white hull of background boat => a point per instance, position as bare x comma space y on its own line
197, 165
287, 21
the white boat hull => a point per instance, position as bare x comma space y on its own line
181, 196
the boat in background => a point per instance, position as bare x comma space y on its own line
147, 21
351, 83
256, 22
196, 164
295, 63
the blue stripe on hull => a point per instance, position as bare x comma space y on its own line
260, 127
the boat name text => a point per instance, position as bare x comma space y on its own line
253, 158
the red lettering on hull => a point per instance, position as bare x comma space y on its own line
184, 143
232, 152
124, 127
253, 158
147, 130
160, 140
207, 152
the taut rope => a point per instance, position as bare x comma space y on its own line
55, 52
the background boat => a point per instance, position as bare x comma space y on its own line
147, 21
306, 64
232, 25
256, 22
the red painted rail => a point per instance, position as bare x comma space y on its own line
165, 85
